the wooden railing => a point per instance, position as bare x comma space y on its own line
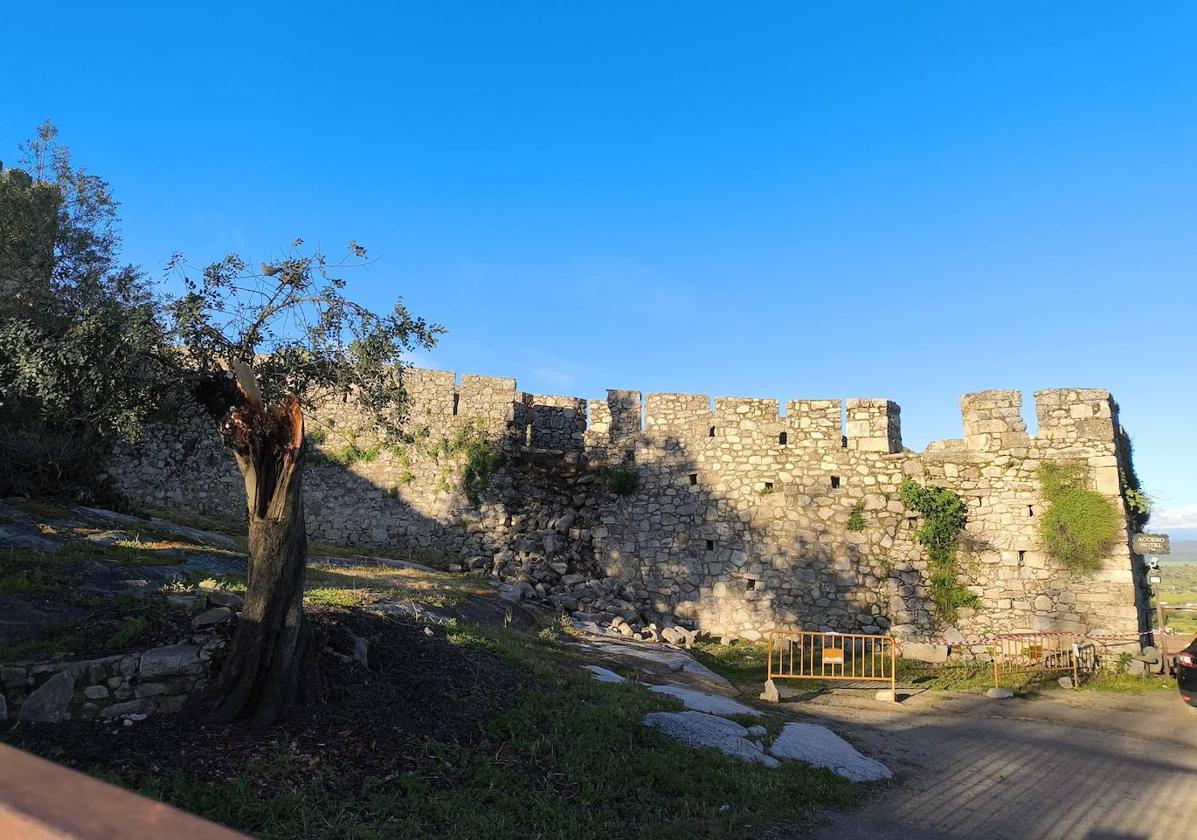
40, 800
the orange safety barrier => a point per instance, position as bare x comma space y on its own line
1031, 653
848, 657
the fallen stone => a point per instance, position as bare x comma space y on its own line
603, 674
924, 652
699, 729
757, 731
701, 701
49, 702
1065, 682
211, 617
96, 692
170, 660
884, 696
770, 695
819, 746
999, 693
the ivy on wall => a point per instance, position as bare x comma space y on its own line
1081, 525
944, 516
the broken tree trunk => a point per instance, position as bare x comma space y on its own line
271, 666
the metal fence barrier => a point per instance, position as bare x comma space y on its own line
848, 657
1041, 653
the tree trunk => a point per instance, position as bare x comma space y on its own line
271, 666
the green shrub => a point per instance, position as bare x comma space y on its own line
856, 517
944, 516
1081, 525
622, 481
482, 460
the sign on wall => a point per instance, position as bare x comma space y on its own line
1154, 544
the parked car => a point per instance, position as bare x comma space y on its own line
1186, 673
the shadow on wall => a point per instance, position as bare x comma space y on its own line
752, 560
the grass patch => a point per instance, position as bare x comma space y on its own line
964, 676
132, 630
54, 642
346, 586
1120, 682
570, 759
45, 510
741, 662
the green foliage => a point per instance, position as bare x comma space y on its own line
482, 459
856, 521
1081, 525
622, 481
77, 330
944, 516
1138, 503
766, 491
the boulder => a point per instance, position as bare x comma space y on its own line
50, 702
999, 693
211, 617
219, 598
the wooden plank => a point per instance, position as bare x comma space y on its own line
40, 800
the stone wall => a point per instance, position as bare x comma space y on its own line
132, 686
739, 523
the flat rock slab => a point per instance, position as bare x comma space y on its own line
699, 729
667, 659
819, 746
701, 701
603, 674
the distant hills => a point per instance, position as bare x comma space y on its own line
1183, 551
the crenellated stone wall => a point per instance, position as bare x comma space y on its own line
739, 522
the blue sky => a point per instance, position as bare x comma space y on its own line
797, 200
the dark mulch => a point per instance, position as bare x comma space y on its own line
418, 688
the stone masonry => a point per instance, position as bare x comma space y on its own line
739, 522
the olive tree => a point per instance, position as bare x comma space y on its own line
78, 329
258, 348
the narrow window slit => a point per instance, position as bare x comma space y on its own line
782, 439
456, 400
711, 432
835, 482
710, 545
693, 479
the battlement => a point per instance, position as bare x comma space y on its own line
992, 420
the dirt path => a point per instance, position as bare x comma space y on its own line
1063, 766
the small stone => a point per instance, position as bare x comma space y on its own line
770, 695
884, 696
12, 675
757, 730
3, 708
95, 692
1065, 682
999, 693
